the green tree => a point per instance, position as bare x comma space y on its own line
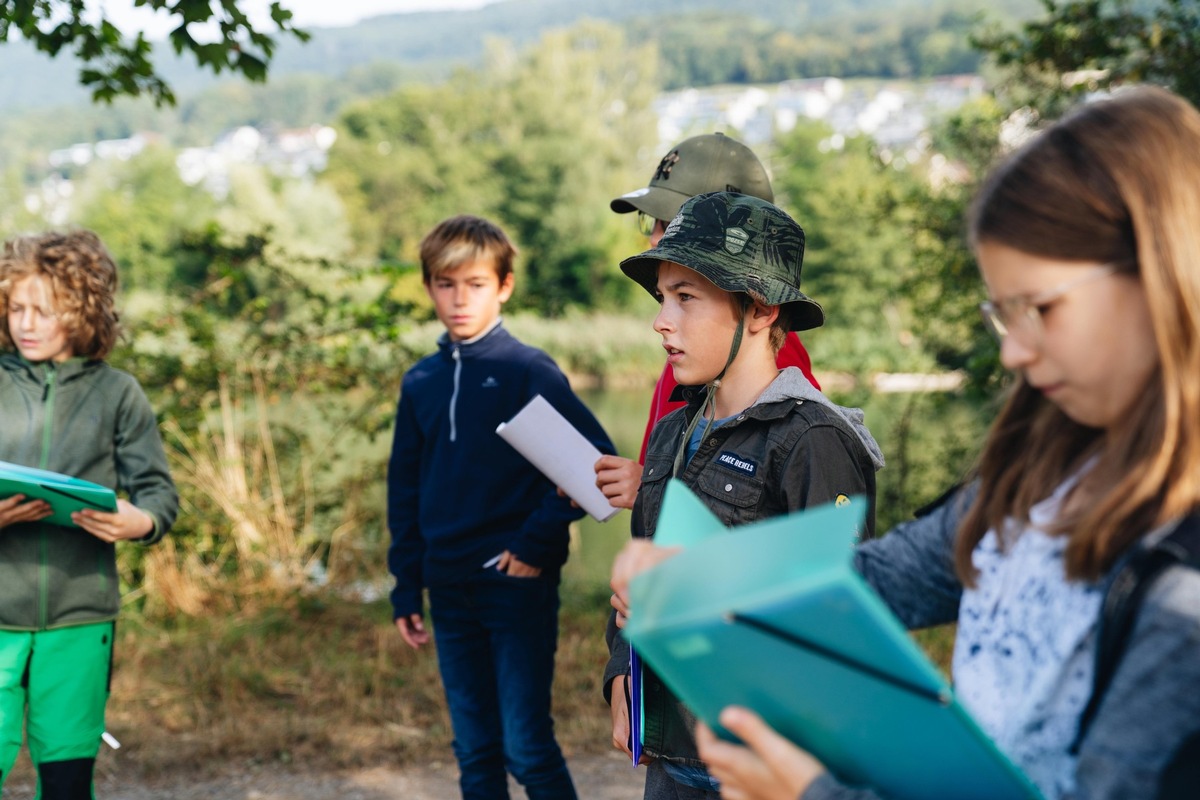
141, 208
301, 217
114, 64
857, 250
1082, 45
942, 280
1047, 65
21, 209
540, 141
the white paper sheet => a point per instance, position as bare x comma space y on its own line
563, 455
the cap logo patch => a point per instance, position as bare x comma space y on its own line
663, 172
735, 240
841, 500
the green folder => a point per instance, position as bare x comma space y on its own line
65, 494
772, 616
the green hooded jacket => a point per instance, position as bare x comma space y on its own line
91, 421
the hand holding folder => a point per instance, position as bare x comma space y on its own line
63, 493
773, 617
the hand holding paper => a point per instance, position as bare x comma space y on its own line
20, 508
127, 522
619, 480
561, 452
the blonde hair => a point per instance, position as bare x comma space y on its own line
1117, 181
83, 283
462, 239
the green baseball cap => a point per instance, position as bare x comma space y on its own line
741, 244
709, 163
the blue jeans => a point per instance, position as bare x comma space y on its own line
496, 636
661, 784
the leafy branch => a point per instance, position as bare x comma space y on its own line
116, 64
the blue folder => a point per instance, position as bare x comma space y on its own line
772, 616
65, 494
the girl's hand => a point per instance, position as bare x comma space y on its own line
768, 767
127, 522
14, 509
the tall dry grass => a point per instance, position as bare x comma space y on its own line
258, 542
233, 651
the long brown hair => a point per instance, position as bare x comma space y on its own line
83, 280
1116, 181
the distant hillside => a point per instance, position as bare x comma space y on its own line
430, 43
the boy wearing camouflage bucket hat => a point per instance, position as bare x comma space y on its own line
753, 441
710, 162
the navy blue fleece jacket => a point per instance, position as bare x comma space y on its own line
458, 494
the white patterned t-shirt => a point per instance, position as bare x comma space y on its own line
1023, 656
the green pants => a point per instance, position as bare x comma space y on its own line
56, 682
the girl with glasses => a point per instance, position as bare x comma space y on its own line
1088, 242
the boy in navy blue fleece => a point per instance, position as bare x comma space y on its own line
476, 524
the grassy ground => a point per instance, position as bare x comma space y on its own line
326, 682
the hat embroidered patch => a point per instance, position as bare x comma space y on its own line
735, 240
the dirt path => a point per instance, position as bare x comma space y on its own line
597, 777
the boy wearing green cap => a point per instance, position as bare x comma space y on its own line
753, 441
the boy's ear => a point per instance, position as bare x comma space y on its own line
760, 317
507, 285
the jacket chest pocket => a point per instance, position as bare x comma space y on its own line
734, 498
650, 493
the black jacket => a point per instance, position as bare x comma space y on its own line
791, 450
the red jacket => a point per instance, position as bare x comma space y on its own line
792, 354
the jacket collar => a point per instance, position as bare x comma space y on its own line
790, 384
480, 345
37, 371
789, 387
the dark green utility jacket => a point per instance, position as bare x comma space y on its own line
792, 449
91, 421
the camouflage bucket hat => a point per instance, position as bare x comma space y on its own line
711, 162
741, 244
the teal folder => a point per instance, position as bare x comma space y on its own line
772, 616
65, 494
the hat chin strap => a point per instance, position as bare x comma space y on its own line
709, 409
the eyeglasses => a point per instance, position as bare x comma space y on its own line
1021, 316
647, 223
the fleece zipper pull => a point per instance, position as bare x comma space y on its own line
457, 356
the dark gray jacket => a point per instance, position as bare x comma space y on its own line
792, 449
1148, 724
91, 421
